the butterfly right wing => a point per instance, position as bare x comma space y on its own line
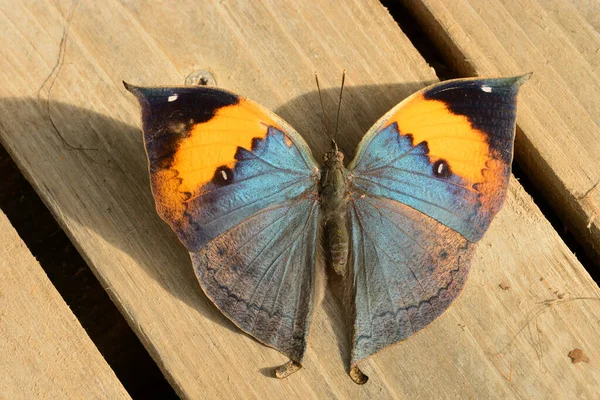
426, 182
238, 186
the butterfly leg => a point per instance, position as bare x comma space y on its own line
285, 370
358, 376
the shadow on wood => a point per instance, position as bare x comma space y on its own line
117, 154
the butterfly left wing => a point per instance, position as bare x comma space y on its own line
425, 184
238, 186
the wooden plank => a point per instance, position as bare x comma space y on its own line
494, 342
45, 352
589, 10
558, 144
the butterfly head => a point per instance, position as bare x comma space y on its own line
333, 155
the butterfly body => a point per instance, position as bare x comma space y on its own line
334, 197
242, 191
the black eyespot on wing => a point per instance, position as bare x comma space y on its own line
441, 169
223, 176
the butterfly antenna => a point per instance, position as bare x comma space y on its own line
322, 106
337, 119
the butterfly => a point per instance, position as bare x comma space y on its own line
399, 223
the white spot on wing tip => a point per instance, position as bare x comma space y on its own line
486, 88
224, 174
172, 97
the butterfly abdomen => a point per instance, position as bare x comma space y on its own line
334, 206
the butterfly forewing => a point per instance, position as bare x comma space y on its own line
445, 151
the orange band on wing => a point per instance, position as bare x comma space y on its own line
206, 147
214, 143
448, 136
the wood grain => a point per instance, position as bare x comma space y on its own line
494, 343
558, 143
45, 352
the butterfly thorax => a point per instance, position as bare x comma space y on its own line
333, 192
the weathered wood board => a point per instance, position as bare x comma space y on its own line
44, 352
558, 144
527, 304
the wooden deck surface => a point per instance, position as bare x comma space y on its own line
44, 350
74, 131
558, 144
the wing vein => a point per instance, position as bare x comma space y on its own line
375, 244
415, 197
245, 205
400, 157
239, 248
419, 174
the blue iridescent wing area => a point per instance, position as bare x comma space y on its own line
238, 186
425, 184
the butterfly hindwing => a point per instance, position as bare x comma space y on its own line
426, 182
261, 274
406, 269
238, 186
